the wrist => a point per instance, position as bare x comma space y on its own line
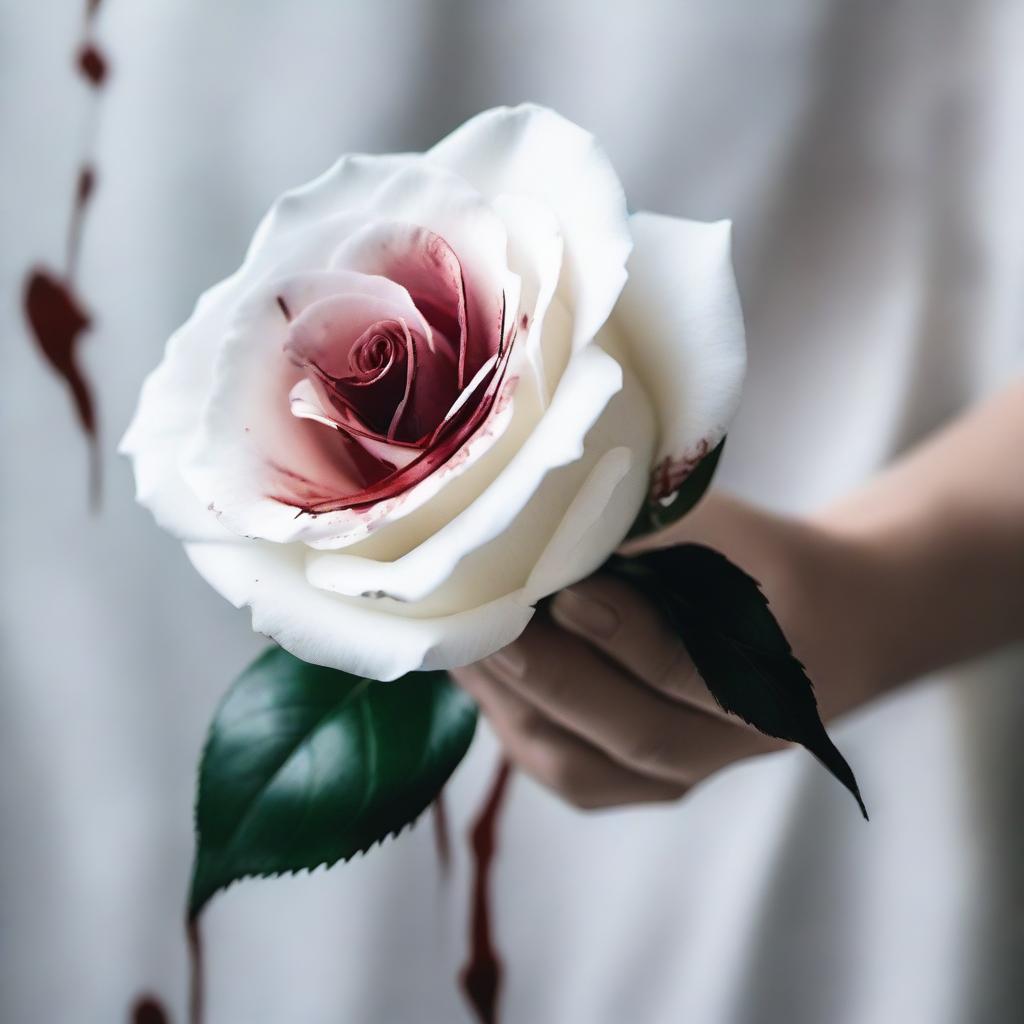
876, 556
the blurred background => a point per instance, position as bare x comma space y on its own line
870, 156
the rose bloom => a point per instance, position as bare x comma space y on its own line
440, 387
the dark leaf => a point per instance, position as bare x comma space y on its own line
739, 649
656, 515
306, 766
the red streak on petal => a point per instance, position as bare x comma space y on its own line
668, 476
481, 977
447, 440
450, 437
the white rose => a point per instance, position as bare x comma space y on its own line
437, 390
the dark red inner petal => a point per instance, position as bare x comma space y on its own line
386, 388
382, 363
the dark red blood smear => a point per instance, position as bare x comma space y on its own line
84, 189
481, 977
92, 64
58, 320
148, 1011
195, 962
86, 184
441, 841
55, 314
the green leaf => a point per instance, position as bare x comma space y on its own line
656, 515
306, 766
744, 658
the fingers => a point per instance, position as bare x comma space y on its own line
578, 772
614, 617
585, 694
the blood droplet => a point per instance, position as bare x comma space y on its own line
93, 65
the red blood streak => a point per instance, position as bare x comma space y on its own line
84, 189
441, 841
195, 962
55, 313
86, 183
481, 977
147, 1010
58, 320
92, 64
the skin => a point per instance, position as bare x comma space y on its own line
921, 568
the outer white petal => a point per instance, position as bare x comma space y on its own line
169, 408
534, 152
325, 629
580, 544
681, 318
345, 188
535, 250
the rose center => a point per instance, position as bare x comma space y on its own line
377, 350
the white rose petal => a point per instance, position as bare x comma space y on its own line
681, 318
532, 151
325, 629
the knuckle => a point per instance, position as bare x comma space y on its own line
682, 680
518, 722
527, 723
656, 748
670, 666
587, 802
561, 772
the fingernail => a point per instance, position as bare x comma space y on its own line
509, 661
585, 613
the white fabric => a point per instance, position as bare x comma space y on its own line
870, 158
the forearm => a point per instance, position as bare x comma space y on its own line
941, 539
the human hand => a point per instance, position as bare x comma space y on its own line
599, 701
